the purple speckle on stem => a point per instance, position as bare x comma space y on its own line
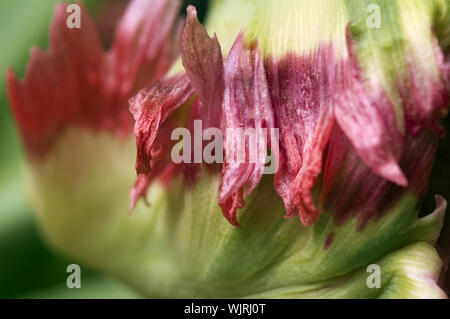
328, 241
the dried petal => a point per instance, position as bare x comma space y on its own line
247, 107
150, 108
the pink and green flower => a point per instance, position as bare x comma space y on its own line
359, 110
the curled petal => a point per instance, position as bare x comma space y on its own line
150, 108
366, 115
247, 108
203, 62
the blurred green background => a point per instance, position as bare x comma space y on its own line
28, 268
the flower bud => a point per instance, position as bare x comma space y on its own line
357, 102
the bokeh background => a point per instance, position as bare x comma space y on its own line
28, 267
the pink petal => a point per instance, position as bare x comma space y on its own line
366, 115
75, 83
150, 108
61, 85
300, 90
202, 59
143, 45
425, 98
246, 105
351, 188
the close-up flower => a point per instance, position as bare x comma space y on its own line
270, 149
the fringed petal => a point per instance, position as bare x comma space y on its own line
76, 83
61, 85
